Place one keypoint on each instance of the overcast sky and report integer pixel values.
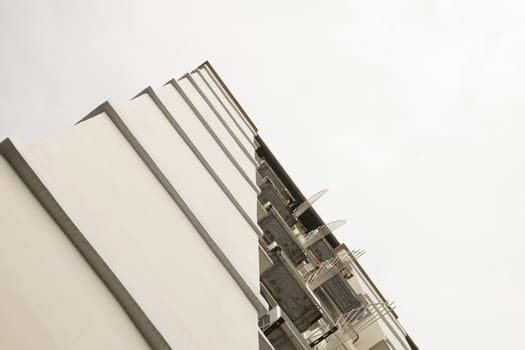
(411, 113)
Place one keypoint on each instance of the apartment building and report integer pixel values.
(167, 223)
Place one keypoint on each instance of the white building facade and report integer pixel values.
(167, 223)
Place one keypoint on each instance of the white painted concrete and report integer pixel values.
(190, 178)
(226, 115)
(227, 101)
(50, 298)
(209, 148)
(218, 128)
(144, 236)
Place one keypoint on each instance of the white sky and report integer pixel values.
(410, 112)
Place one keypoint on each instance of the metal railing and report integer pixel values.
(315, 235)
(329, 268)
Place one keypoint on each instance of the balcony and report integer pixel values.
(321, 232)
(329, 282)
(269, 193)
(276, 230)
(284, 286)
(281, 332)
(265, 171)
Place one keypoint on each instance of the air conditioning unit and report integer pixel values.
(275, 229)
(281, 332)
(289, 291)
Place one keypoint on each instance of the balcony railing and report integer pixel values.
(359, 319)
(328, 269)
(304, 206)
(351, 324)
(319, 233)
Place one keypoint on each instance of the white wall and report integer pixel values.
(228, 228)
(226, 99)
(244, 160)
(221, 108)
(209, 148)
(49, 296)
(145, 238)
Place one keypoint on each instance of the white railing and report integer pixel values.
(352, 323)
(329, 268)
(308, 203)
(315, 235)
(360, 318)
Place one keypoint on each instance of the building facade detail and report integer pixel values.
(168, 223)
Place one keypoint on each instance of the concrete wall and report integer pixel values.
(222, 219)
(49, 296)
(233, 123)
(245, 159)
(141, 232)
(242, 187)
(226, 99)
